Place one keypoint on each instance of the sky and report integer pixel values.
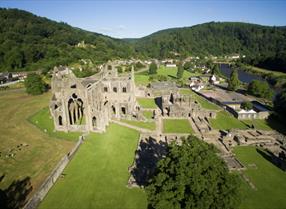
(138, 18)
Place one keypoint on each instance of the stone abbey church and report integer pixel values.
(88, 104)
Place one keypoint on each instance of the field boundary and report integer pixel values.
(40, 194)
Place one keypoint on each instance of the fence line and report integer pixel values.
(40, 194)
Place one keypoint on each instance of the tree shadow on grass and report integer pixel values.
(277, 161)
(171, 76)
(15, 196)
(147, 156)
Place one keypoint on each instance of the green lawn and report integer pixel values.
(142, 79)
(141, 124)
(97, 175)
(39, 153)
(258, 124)
(269, 180)
(177, 126)
(171, 73)
(147, 103)
(43, 120)
(203, 102)
(148, 114)
(226, 121)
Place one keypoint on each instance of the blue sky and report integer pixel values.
(137, 18)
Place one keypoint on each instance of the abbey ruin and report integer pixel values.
(88, 104)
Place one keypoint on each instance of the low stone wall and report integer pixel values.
(52, 178)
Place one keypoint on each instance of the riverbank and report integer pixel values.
(275, 78)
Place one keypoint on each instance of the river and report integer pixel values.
(243, 76)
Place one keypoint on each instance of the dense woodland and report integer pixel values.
(262, 45)
(29, 42)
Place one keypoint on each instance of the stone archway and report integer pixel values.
(113, 110)
(123, 110)
(94, 122)
(75, 109)
(60, 120)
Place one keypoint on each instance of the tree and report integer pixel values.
(193, 176)
(246, 105)
(34, 84)
(180, 72)
(260, 89)
(153, 68)
(280, 103)
(233, 82)
(188, 66)
(216, 70)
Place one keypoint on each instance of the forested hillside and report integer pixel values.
(263, 45)
(29, 42)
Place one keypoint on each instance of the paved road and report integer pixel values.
(9, 83)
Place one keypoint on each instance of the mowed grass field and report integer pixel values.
(98, 174)
(40, 154)
(201, 100)
(258, 124)
(269, 180)
(43, 120)
(141, 124)
(225, 121)
(147, 103)
(177, 126)
(171, 73)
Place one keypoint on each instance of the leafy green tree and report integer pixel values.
(34, 84)
(153, 68)
(193, 176)
(260, 89)
(246, 105)
(280, 103)
(180, 72)
(188, 66)
(216, 70)
(233, 82)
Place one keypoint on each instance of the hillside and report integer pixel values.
(30, 42)
(263, 46)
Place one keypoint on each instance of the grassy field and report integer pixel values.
(147, 103)
(226, 121)
(41, 153)
(268, 179)
(98, 174)
(148, 115)
(141, 124)
(171, 73)
(43, 120)
(258, 124)
(202, 101)
(177, 126)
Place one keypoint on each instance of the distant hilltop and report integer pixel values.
(30, 42)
